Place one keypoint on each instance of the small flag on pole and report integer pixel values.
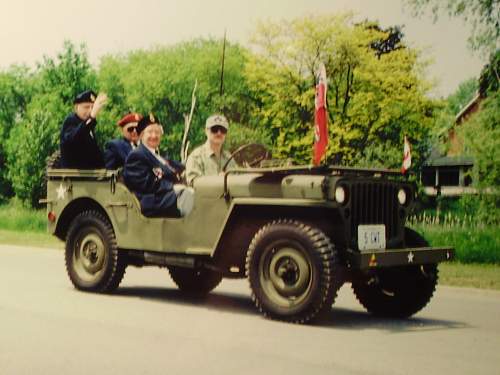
(406, 156)
(320, 118)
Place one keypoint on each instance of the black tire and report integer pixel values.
(195, 281)
(93, 261)
(291, 268)
(398, 292)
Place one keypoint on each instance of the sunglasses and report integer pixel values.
(218, 128)
(132, 129)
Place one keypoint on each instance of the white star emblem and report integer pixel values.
(61, 192)
(410, 257)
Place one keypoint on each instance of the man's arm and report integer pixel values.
(194, 167)
(111, 156)
(74, 129)
(138, 176)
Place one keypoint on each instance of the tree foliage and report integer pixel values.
(483, 15)
(376, 95)
(15, 94)
(489, 80)
(162, 80)
(374, 98)
(36, 134)
(462, 96)
(481, 137)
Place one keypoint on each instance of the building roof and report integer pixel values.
(449, 161)
(467, 108)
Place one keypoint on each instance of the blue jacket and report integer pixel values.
(152, 182)
(79, 147)
(115, 153)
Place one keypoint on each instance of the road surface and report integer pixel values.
(149, 327)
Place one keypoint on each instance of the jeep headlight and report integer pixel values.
(340, 194)
(402, 197)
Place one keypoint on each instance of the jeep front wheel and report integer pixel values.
(92, 259)
(291, 268)
(398, 292)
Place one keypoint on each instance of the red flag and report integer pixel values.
(406, 156)
(320, 120)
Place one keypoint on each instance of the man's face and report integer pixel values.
(129, 132)
(216, 134)
(151, 136)
(83, 110)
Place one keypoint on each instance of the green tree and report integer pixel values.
(161, 81)
(374, 98)
(35, 138)
(489, 80)
(462, 96)
(15, 94)
(483, 15)
(481, 137)
(36, 135)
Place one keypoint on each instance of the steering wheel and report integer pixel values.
(248, 155)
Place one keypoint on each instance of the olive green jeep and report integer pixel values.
(297, 233)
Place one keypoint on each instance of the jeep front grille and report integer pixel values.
(375, 202)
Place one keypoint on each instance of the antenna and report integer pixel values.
(221, 89)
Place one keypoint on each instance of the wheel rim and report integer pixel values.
(89, 256)
(285, 273)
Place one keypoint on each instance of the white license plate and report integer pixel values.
(371, 237)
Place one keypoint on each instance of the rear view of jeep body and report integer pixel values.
(296, 233)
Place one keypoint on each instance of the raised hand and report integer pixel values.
(100, 101)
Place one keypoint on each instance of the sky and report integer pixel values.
(30, 29)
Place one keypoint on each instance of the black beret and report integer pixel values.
(145, 122)
(87, 96)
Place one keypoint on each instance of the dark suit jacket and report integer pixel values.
(78, 145)
(152, 182)
(115, 153)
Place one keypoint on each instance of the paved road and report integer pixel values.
(149, 327)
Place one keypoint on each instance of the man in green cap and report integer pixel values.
(209, 158)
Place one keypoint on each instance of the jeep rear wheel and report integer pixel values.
(291, 269)
(398, 292)
(93, 261)
(196, 281)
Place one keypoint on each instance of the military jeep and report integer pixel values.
(296, 233)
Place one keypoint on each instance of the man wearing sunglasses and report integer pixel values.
(209, 158)
(117, 150)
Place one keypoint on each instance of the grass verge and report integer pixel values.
(483, 276)
(15, 217)
(472, 244)
(23, 238)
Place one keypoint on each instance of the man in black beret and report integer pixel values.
(78, 145)
(152, 178)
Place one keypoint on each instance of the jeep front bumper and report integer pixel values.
(399, 257)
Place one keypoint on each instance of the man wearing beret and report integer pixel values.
(117, 150)
(209, 158)
(78, 145)
(153, 178)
